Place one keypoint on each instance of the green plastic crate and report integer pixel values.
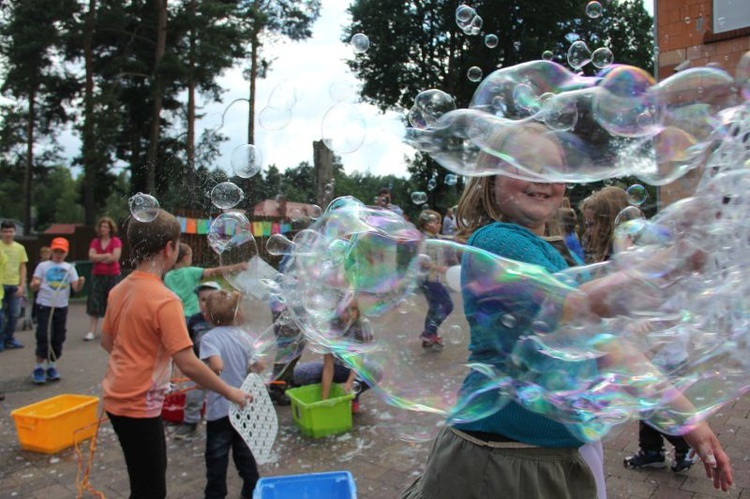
(318, 418)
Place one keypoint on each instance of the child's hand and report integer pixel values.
(239, 397)
(81, 280)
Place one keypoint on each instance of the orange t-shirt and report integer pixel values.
(147, 325)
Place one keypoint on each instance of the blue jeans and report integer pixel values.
(220, 438)
(10, 313)
(439, 305)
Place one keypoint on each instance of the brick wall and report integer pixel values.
(684, 33)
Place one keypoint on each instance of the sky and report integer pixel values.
(314, 71)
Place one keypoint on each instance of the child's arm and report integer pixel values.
(349, 385)
(226, 268)
(199, 372)
(77, 285)
(216, 364)
(107, 342)
(326, 377)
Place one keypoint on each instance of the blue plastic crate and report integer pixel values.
(328, 485)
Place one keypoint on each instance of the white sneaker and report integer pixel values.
(89, 336)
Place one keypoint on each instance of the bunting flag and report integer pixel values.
(203, 225)
(285, 227)
(266, 228)
(275, 228)
(191, 226)
(183, 224)
(257, 229)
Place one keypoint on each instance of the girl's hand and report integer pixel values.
(349, 386)
(239, 397)
(715, 460)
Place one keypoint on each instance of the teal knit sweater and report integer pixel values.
(499, 315)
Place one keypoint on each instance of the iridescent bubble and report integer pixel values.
(343, 129)
(360, 42)
(278, 245)
(624, 99)
(229, 230)
(226, 195)
(594, 9)
(419, 197)
(429, 106)
(491, 41)
(451, 179)
(273, 119)
(547, 55)
(525, 97)
(246, 161)
(431, 184)
(579, 54)
(637, 194)
(474, 73)
(602, 57)
(143, 207)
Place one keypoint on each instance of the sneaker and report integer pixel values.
(279, 397)
(683, 460)
(13, 344)
(355, 406)
(431, 341)
(89, 336)
(52, 374)
(185, 431)
(646, 459)
(38, 376)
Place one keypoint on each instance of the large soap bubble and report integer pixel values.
(429, 106)
(143, 207)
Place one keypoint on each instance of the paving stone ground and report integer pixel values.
(382, 464)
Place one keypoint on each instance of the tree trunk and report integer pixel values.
(153, 145)
(190, 146)
(253, 78)
(29, 169)
(89, 142)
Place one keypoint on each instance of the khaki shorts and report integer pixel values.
(462, 467)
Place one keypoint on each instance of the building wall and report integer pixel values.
(685, 37)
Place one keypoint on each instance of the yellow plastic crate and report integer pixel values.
(318, 418)
(51, 425)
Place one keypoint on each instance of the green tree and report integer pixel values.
(33, 36)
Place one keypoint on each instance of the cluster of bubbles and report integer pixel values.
(468, 20)
(619, 122)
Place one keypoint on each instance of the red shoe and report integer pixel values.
(355, 406)
(431, 341)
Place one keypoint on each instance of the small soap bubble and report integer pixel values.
(594, 9)
(687, 19)
(360, 42)
(419, 197)
(143, 207)
(314, 211)
(226, 195)
(278, 244)
(637, 194)
(451, 179)
(491, 41)
(246, 160)
(343, 128)
(429, 106)
(328, 189)
(356, 387)
(579, 54)
(474, 74)
(431, 184)
(273, 119)
(464, 16)
(602, 57)
(547, 55)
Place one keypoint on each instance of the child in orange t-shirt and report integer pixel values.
(144, 331)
